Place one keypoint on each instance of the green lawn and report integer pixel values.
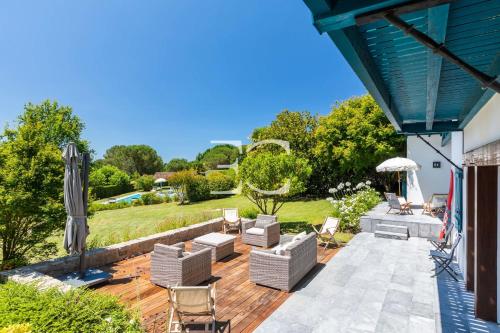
(113, 226)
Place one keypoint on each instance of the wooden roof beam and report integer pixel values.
(440, 49)
(398, 9)
(437, 22)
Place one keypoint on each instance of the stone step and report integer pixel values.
(392, 235)
(392, 228)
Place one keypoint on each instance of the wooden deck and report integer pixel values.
(240, 305)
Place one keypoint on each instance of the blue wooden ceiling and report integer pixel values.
(419, 91)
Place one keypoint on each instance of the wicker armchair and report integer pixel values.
(264, 231)
(284, 271)
(171, 266)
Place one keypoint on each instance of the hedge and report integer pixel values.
(101, 192)
(52, 311)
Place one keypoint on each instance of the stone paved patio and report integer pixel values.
(378, 285)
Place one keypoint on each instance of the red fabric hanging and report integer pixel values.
(447, 213)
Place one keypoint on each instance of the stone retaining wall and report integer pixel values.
(44, 272)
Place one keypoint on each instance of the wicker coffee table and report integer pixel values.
(222, 245)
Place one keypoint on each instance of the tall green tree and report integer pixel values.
(177, 164)
(299, 130)
(263, 172)
(220, 154)
(31, 180)
(140, 159)
(352, 140)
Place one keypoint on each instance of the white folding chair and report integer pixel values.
(326, 234)
(191, 301)
(232, 219)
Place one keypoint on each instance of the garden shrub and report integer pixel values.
(198, 189)
(138, 202)
(52, 311)
(189, 186)
(97, 207)
(108, 181)
(151, 199)
(349, 204)
(144, 183)
(220, 181)
(250, 213)
(17, 328)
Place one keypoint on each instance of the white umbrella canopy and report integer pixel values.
(160, 180)
(398, 164)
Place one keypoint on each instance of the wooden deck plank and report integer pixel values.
(240, 303)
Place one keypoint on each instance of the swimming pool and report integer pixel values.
(129, 198)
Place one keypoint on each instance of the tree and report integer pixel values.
(268, 171)
(141, 159)
(108, 180)
(299, 130)
(177, 164)
(31, 180)
(353, 139)
(220, 154)
(189, 186)
(144, 183)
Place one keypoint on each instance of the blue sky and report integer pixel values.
(170, 74)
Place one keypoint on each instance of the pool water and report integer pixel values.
(129, 198)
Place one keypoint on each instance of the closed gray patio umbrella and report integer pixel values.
(76, 231)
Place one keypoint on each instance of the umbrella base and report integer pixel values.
(92, 277)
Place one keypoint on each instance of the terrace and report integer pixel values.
(371, 284)
(241, 305)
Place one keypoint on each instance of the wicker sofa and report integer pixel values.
(284, 271)
(263, 231)
(171, 266)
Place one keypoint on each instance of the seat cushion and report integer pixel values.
(299, 236)
(255, 231)
(281, 249)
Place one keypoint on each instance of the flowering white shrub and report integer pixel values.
(349, 204)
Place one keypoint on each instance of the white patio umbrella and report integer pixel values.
(160, 180)
(398, 164)
(76, 231)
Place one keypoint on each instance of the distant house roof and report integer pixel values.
(165, 175)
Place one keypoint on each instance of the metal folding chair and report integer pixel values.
(441, 243)
(444, 259)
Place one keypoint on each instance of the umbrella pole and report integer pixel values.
(85, 197)
(399, 184)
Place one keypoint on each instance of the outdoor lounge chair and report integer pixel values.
(232, 220)
(191, 302)
(283, 271)
(327, 231)
(440, 243)
(444, 259)
(171, 266)
(436, 205)
(263, 231)
(398, 203)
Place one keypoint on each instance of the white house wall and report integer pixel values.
(420, 185)
(484, 128)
